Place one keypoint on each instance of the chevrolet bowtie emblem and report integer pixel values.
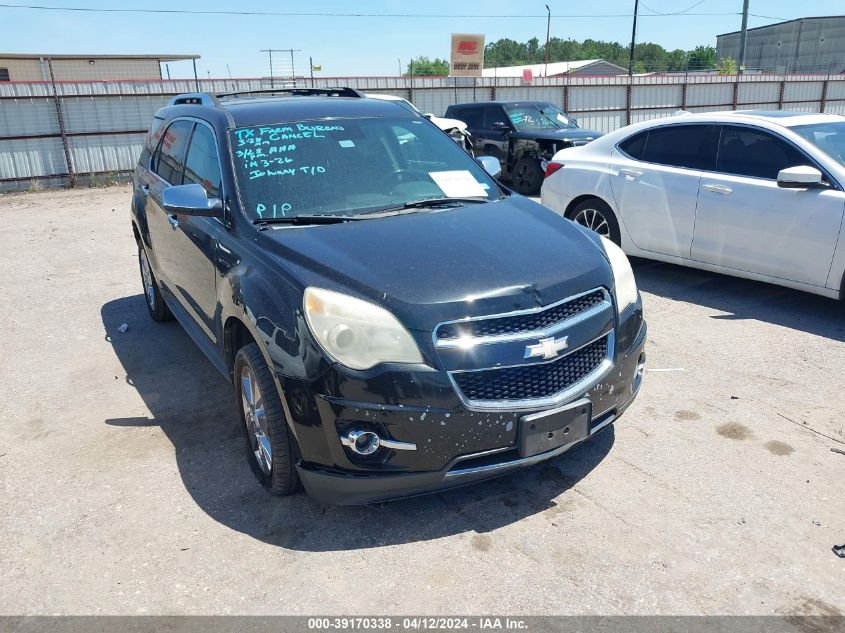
(547, 348)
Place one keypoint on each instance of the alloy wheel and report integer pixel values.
(256, 420)
(147, 279)
(594, 220)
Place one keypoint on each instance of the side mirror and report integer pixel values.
(191, 200)
(491, 165)
(801, 177)
(499, 125)
(428, 115)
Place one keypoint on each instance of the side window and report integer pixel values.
(473, 117)
(495, 114)
(748, 152)
(202, 166)
(634, 145)
(167, 161)
(690, 146)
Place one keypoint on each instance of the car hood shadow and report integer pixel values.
(194, 406)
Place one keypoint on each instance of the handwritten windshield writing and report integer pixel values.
(276, 209)
(270, 135)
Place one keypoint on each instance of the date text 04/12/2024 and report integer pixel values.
(417, 623)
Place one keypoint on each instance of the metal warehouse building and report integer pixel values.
(35, 67)
(804, 45)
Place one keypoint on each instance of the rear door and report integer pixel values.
(654, 176)
(746, 222)
(166, 170)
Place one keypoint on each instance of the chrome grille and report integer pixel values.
(538, 381)
(530, 322)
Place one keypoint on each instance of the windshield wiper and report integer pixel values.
(316, 218)
(428, 203)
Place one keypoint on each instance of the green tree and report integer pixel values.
(702, 58)
(424, 66)
(726, 66)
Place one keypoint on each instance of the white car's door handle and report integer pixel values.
(633, 173)
(717, 189)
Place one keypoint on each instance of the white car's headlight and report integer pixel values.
(623, 275)
(357, 333)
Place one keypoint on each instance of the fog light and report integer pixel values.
(361, 442)
(638, 376)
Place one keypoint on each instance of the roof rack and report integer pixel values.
(338, 91)
(194, 98)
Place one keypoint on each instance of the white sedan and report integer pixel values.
(759, 195)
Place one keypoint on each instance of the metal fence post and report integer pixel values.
(780, 92)
(71, 175)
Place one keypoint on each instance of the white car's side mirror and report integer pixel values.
(800, 177)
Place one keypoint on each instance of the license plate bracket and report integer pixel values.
(547, 430)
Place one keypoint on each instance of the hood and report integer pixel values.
(447, 124)
(439, 265)
(573, 133)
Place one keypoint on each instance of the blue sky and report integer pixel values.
(362, 45)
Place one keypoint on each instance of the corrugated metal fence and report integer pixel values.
(58, 133)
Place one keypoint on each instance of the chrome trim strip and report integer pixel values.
(578, 388)
(523, 461)
(396, 445)
(528, 334)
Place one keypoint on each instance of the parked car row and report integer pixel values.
(759, 195)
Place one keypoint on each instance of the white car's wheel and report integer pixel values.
(597, 216)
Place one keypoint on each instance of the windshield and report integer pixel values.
(350, 166)
(828, 137)
(538, 116)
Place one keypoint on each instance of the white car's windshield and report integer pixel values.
(828, 137)
(350, 166)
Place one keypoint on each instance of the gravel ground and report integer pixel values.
(125, 488)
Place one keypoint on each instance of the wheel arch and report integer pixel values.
(583, 198)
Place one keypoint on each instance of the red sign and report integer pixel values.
(527, 76)
(467, 47)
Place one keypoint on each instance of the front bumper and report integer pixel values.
(455, 445)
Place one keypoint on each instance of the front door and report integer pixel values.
(190, 242)
(746, 222)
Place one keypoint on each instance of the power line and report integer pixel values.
(689, 8)
(289, 14)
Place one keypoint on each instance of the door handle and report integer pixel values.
(633, 173)
(717, 188)
(144, 189)
(174, 222)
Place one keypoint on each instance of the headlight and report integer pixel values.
(623, 275)
(357, 333)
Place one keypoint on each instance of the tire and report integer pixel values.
(275, 470)
(152, 293)
(597, 216)
(527, 176)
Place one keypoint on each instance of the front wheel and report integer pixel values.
(269, 443)
(597, 216)
(527, 176)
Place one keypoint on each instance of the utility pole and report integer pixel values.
(311, 64)
(743, 37)
(633, 40)
(546, 50)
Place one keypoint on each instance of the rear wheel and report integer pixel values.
(597, 216)
(152, 294)
(269, 443)
(527, 176)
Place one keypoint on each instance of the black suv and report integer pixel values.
(523, 135)
(393, 321)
